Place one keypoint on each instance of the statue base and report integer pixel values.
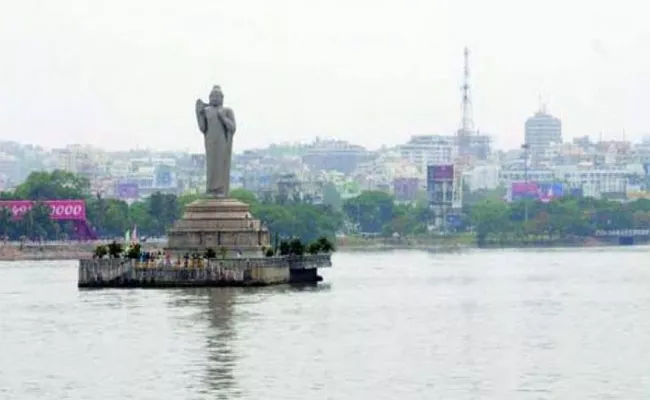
(218, 223)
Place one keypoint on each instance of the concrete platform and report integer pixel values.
(124, 273)
(218, 223)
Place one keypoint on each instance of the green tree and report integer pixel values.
(110, 217)
(244, 196)
(490, 218)
(162, 210)
(7, 223)
(371, 210)
(55, 185)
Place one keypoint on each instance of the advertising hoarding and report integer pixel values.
(454, 221)
(549, 191)
(60, 210)
(542, 191)
(524, 190)
(128, 191)
(440, 172)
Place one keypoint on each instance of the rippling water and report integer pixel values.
(563, 324)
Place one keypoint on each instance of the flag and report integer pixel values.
(134, 236)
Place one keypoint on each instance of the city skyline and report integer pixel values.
(374, 74)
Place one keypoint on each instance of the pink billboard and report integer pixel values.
(66, 210)
(440, 172)
(524, 190)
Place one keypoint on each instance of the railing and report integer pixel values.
(622, 232)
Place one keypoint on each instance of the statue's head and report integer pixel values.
(216, 96)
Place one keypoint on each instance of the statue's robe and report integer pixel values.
(218, 150)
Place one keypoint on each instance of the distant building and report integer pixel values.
(483, 177)
(480, 146)
(425, 150)
(542, 130)
(335, 155)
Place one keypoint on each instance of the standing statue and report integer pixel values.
(217, 123)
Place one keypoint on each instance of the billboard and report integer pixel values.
(524, 190)
(440, 172)
(454, 221)
(127, 190)
(549, 191)
(60, 210)
(542, 191)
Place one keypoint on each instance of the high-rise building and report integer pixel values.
(425, 150)
(542, 130)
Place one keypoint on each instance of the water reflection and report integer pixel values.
(214, 309)
(219, 376)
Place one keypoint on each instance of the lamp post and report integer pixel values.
(525, 147)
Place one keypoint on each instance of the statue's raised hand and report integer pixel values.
(200, 105)
(200, 115)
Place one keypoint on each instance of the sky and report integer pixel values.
(125, 73)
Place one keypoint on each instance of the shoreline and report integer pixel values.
(76, 251)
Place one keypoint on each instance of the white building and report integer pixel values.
(594, 181)
(507, 176)
(542, 131)
(425, 150)
(482, 177)
(80, 159)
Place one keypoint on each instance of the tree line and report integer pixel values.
(372, 212)
(153, 216)
(561, 220)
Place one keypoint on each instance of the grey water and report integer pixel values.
(553, 324)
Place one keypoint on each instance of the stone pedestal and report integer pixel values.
(218, 223)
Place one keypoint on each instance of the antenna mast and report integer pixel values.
(467, 124)
(464, 135)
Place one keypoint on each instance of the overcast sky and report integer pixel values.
(126, 73)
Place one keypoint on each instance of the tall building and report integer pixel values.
(542, 130)
(426, 150)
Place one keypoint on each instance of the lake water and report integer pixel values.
(555, 324)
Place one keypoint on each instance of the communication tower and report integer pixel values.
(464, 135)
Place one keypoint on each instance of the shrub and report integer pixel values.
(223, 252)
(325, 245)
(313, 248)
(134, 252)
(101, 251)
(115, 249)
(296, 247)
(210, 253)
(269, 252)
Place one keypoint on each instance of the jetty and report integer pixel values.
(129, 273)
